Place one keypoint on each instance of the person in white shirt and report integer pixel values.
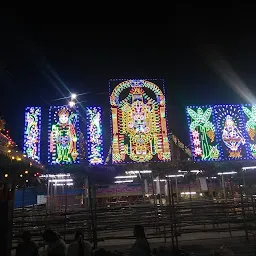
(79, 247)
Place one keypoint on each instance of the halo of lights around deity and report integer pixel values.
(32, 132)
(139, 125)
(94, 135)
(63, 135)
(222, 132)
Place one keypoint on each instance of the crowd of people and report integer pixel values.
(56, 246)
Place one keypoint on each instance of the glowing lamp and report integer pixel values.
(72, 104)
(226, 173)
(73, 96)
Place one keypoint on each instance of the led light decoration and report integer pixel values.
(202, 133)
(218, 132)
(139, 125)
(32, 132)
(63, 135)
(94, 132)
(250, 119)
(232, 136)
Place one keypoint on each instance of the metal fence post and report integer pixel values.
(92, 210)
(95, 234)
(170, 209)
(244, 215)
(66, 207)
(174, 216)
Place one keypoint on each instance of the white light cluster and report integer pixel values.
(59, 175)
(174, 176)
(138, 172)
(126, 177)
(123, 181)
(61, 184)
(58, 180)
(188, 193)
(248, 168)
(226, 173)
(61, 180)
(196, 171)
(192, 171)
(73, 96)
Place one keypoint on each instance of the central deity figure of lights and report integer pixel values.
(139, 125)
(63, 138)
(232, 136)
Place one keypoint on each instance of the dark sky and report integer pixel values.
(37, 58)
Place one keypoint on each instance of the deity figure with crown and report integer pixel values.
(232, 137)
(63, 138)
(139, 126)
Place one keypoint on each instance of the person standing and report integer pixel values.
(79, 247)
(27, 246)
(141, 246)
(55, 245)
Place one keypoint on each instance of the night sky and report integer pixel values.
(42, 62)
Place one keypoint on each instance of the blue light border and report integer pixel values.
(89, 144)
(196, 159)
(217, 132)
(218, 137)
(77, 128)
(245, 117)
(39, 132)
(153, 80)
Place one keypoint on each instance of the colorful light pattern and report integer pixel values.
(250, 119)
(202, 133)
(63, 135)
(94, 134)
(218, 133)
(32, 133)
(231, 135)
(139, 126)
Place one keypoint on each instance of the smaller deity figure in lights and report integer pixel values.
(232, 137)
(32, 133)
(95, 140)
(63, 137)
